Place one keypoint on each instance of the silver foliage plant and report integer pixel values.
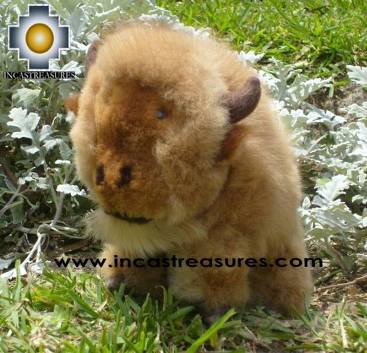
(332, 152)
(41, 197)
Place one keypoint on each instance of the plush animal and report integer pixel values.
(179, 145)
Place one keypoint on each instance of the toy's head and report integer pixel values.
(156, 122)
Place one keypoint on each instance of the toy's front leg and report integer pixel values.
(213, 287)
(142, 280)
(214, 290)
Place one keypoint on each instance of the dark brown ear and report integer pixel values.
(242, 102)
(91, 55)
(72, 103)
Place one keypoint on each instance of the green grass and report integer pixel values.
(74, 312)
(323, 34)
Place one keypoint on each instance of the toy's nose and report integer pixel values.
(123, 178)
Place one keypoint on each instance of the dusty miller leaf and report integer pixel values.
(26, 96)
(70, 189)
(25, 123)
(333, 188)
(357, 74)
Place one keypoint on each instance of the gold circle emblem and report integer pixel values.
(39, 38)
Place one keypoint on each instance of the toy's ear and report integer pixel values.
(240, 104)
(72, 103)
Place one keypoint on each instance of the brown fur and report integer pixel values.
(72, 103)
(210, 188)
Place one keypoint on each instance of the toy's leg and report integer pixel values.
(213, 288)
(284, 289)
(214, 291)
(142, 280)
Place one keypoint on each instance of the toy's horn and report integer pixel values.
(72, 102)
(242, 102)
(91, 54)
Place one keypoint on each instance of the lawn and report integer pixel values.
(322, 36)
(313, 56)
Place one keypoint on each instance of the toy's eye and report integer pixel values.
(161, 114)
(100, 174)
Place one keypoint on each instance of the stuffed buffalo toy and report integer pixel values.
(179, 145)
